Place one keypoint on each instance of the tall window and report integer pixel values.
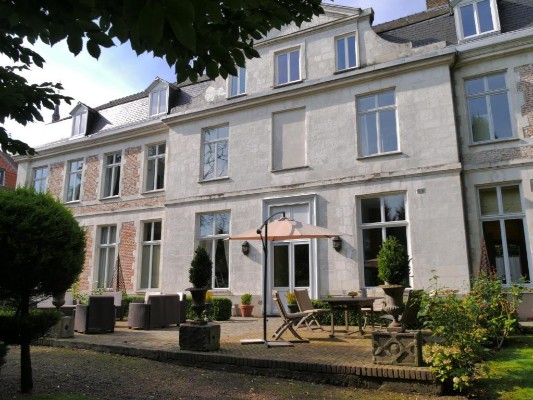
(478, 17)
(216, 143)
(346, 52)
(237, 84)
(488, 108)
(158, 101)
(74, 180)
(380, 218)
(288, 139)
(502, 219)
(2, 177)
(155, 170)
(376, 117)
(79, 123)
(39, 179)
(151, 255)
(112, 174)
(106, 256)
(214, 228)
(288, 67)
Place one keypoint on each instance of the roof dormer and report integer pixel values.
(80, 115)
(160, 93)
(475, 18)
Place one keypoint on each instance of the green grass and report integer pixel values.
(510, 375)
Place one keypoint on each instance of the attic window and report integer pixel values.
(79, 123)
(477, 17)
(158, 101)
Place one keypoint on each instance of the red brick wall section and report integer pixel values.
(127, 251)
(435, 3)
(56, 178)
(90, 180)
(10, 173)
(526, 87)
(131, 181)
(89, 259)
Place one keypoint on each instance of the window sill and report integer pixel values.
(342, 71)
(109, 198)
(223, 178)
(236, 96)
(495, 141)
(289, 169)
(72, 202)
(390, 153)
(154, 192)
(282, 85)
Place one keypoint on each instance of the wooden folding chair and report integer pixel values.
(289, 319)
(304, 302)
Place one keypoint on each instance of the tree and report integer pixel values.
(43, 250)
(196, 37)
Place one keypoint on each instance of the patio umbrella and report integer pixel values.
(280, 229)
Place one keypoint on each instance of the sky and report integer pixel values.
(120, 72)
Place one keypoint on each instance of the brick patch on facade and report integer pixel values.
(132, 176)
(123, 205)
(526, 87)
(127, 249)
(86, 272)
(499, 155)
(90, 182)
(56, 178)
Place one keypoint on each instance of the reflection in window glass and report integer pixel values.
(215, 156)
(476, 18)
(287, 67)
(151, 255)
(213, 229)
(346, 57)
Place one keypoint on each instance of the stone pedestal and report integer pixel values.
(63, 329)
(200, 337)
(391, 348)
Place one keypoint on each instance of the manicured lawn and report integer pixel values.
(510, 375)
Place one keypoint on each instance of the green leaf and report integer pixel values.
(151, 22)
(93, 49)
(75, 43)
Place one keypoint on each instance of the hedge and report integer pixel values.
(218, 309)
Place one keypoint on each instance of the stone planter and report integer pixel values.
(392, 348)
(394, 304)
(198, 304)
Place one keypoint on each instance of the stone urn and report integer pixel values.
(394, 304)
(198, 304)
(58, 300)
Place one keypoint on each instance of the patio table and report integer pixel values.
(347, 303)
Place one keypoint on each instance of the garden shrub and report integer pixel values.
(218, 309)
(15, 327)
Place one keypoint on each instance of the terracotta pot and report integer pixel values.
(393, 303)
(246, 310)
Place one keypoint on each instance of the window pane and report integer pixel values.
(368, 140)
(223, 132)
(147, 234)
(394, 208)
(109, 267)
(366, 103)
(283, 76)
(385, 99)
(145, 266)
(301, 265)
(351, 51)
(474, 86)
(516, 250)
(206, 225)
(341, 58)
(153, 103)
(479, 119)
(104, 235)
(157, 230)
(155, 266)
(372, 239)
(281, 266)
(220, 264)
(242, 80)
(467, 20)
(511, 199)
(501, 117)
(150, 171)
(222, 158)
(160, 173)
(295, 65)
(387, 129)
(484, 16)
(371, 210)
(234, 83)
(210, 135)
(222, 223)
(151, 151)
(209, 161)
(161, 148)
(488, 200)
(495, 82)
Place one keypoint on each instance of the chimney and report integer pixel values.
(430, 4)
(55, 115)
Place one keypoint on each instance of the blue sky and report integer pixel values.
(120, 72)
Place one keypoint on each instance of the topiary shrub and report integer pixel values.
(201, 269)
(393, 262)
(246, 299)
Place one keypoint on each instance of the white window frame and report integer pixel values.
(240, 83)
(156, 95)
(79, 122)
(346, 51)
(2, 177)
(151, 243)
(39, 181)
(112, 173)
(216, 143)
(474, 3)
(73, 180)
(214, 238)
(157, 158)
(377, 111)
(105, 249)
(288, 53)
(486, 94)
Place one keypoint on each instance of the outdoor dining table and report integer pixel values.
(346, 304)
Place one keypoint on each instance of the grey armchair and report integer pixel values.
(159, 311)
(96, 317)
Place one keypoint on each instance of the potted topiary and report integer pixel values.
(393, 269)
(200, 277)
(246, 306)
(292, 304)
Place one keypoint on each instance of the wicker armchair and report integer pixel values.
(96, 317)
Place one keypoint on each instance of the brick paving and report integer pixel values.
(342, 360)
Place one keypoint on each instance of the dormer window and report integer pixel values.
(237, 84)
(477, 17)
(345, 47)
(158, 101)
(79, 122)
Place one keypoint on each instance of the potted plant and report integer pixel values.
(292, 304)
(200, 277)
(246, 306)
(393, 269)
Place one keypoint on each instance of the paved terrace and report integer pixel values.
(340, 361)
